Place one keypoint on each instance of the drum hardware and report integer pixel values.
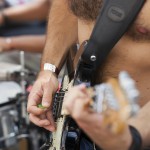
(11, 135)
(16, 76)
(22, 74)
(8, 126)
(17, 73)
(14, 121)
(23, 120)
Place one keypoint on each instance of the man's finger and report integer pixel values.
(35, 95)
(49, 116)
(78, 109)
(35, 110)
(71, 97)
(37, 120)
(47, 95)
(49, 128)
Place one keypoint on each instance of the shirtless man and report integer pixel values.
(131, 53)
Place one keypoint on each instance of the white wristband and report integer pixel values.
(51, 67)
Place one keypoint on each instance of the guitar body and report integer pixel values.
(57, 143)
(66, 137)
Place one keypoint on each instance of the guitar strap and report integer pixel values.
(113, 21)
(79, 53)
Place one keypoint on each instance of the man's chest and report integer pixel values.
(140, 29)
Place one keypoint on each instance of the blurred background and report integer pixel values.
(22, 38)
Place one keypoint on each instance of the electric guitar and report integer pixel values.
(116, 100)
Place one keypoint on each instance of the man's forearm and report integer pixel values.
(142, 124)
(27, 43)
(36, 10)
(61, 34)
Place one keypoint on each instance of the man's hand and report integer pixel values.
(42, 93)
(76, 103)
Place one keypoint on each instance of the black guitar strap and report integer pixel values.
(113, 21)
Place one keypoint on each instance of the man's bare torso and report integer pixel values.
(131, 53)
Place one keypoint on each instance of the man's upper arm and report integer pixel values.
(61, 34)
